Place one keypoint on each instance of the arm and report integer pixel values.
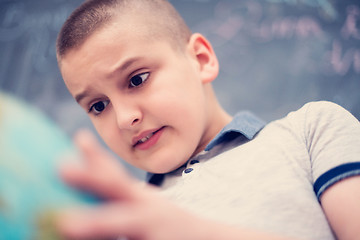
(341, 204)
(131, 209)
(333, 142)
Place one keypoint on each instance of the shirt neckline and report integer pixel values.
(244, 123)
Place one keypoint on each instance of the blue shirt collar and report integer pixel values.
(244, 123)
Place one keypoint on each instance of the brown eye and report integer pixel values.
(139, 79)
(98, 107)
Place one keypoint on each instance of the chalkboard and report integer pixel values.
(275, 55)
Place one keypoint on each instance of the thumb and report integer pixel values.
(99, 172)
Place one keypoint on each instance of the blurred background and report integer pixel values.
(275, 55)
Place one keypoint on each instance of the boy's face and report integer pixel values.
(146, 99)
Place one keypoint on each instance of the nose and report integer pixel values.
(127, 115)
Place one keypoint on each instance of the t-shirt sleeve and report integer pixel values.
(333, 141)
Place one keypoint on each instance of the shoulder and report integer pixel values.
(327, 123)
(322, 109)
(323, 115)
(325, 108)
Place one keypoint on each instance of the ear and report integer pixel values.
(205, 57)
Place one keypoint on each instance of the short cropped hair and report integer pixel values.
(93, 15)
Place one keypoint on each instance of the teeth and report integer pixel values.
(145, 138)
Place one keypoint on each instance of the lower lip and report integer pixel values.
(151, 141)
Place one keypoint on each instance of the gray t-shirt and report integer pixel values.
(271, 179)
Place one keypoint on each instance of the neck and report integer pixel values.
(218, 118)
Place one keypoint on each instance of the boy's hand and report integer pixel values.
(130, 209)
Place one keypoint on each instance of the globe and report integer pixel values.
(31, 148)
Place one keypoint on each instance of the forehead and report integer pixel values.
(128, 27)
(110, 47)
(115, 36)
(124, 28)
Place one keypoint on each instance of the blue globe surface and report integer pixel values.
(31, 147)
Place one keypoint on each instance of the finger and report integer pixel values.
(100, 172)
(93, 152)
(104, 222)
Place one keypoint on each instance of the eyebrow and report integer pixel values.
(80, 96)
(122, 67)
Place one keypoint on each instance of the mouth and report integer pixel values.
(147, 139)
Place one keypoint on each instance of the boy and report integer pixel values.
(145, 82)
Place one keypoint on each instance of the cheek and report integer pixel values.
(184, 114)
(178, 98)
(181, 105)
(177, 112)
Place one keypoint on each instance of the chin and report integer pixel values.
(164, 168)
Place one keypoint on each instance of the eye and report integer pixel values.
(98, 107)
(139, 79)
